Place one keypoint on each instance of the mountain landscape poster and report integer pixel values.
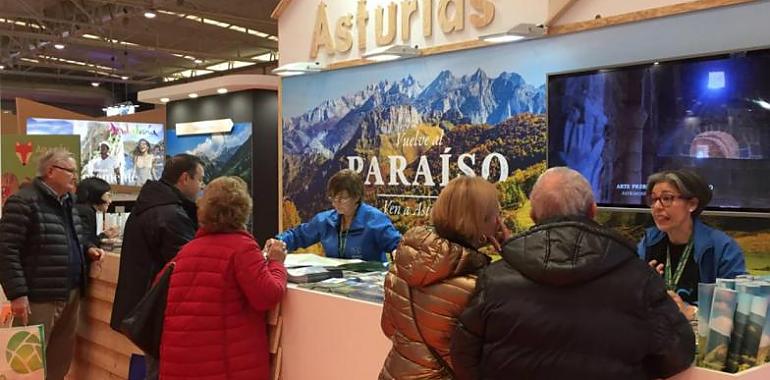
(409, 128)
(412, 125)
(223, 154)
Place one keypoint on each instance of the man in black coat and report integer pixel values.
(570, 300)
(42, 261)
(161, 222)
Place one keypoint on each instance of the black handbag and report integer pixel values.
(144, 324)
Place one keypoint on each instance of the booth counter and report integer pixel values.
(101, 352)
(317, 336)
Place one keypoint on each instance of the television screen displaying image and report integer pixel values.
(710, 115)
(120, 153)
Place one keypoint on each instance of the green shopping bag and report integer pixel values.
(23, 353)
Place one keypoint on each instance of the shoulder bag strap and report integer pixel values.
(433, 352)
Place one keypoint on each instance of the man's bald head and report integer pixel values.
(561, 192)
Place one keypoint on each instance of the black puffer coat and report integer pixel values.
(35, 245)
(161, 222)
(571, 300)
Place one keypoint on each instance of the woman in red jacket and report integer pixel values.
(220, 290)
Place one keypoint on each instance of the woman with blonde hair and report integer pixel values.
(433, 275)
(220, 290)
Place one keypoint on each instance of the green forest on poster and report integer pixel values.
(21, 153)
(410, 126)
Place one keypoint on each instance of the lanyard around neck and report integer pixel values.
(671, 283)
(342, 238)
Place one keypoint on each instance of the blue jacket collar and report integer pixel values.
(335, 218)
(700, 235)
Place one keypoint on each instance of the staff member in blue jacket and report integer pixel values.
(680, 247)
(351, 230)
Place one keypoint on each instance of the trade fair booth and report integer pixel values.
(446, 102)
(411, 94)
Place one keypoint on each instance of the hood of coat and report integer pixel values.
(568, 251)
(423, 258)
(159, 193)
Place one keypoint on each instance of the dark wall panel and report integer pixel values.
(237, 106)
(265, 174)
(260, 108)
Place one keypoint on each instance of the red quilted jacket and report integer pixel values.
(214, 326)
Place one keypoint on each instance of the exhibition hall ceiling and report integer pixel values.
(141, 43)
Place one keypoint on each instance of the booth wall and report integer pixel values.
(7, 123)
(327, 117)
(260, 108)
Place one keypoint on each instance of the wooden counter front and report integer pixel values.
(316, 335)
(101, 353)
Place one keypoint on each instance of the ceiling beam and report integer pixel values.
(42, 62)
(245, 22)
(119, 47)
(47, 20)
(56, 33)
(71, 77)
(83, 10)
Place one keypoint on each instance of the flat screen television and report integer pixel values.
(121, 153)
(707, 114)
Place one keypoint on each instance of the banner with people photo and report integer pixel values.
(20, 155)
(120, 153)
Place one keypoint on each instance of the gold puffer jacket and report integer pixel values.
(428, 286)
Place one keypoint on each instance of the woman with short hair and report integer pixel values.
(352, 229)
(680, 246)
(220, 290)
(433, 275)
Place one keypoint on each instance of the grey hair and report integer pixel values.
(560, 192)
(690, 185)
(50, 158)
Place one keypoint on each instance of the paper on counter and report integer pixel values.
(310, 259)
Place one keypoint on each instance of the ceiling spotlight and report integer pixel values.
(389, 53)
(94, 84)
(150, 13)
(519, 32)
(222, 91)
(298, 68)
(198, 60)
(58, 46)
(164, 100)
(193, 95)
(2, 67)
(124, 77)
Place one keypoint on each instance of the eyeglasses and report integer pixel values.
(339, 199)
(665, 200)
(68, 170)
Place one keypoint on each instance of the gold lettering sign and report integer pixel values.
(408, 8)
(380, 37)
(487, 10)
(457, 22)
(449, 14)
(343, 34)
(322, 37)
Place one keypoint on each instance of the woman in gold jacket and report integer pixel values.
(432, 277)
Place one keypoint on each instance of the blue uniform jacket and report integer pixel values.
(370, 236)
(717, 255)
